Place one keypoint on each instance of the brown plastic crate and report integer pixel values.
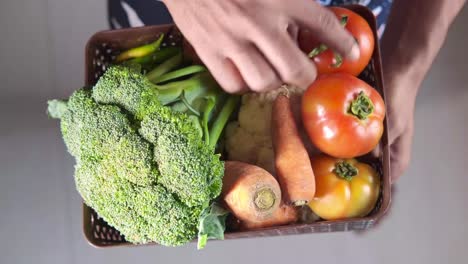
(102, 48)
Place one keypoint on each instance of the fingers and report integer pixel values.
(224, 71)
(255, 70)
(291, 64)
(326, 27)
(400, 153)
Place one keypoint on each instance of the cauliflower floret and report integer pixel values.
(249, 138)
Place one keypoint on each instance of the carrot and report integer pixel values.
(283, 216)
(250, 192)
(292, 162)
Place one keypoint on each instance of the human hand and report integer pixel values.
(252, 44)
(400, 112)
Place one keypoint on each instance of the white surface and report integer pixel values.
(40, 211)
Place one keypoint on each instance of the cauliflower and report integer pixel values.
(249, 138)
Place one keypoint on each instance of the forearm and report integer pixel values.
(415, 32)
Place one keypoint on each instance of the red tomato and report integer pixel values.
(326, 61)
(343, 115)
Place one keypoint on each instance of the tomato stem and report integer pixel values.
(344, 21)
(362, 106)
(315, 52)
(338, 60)
(345, 170)
(322, 47)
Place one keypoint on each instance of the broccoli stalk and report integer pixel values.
(57, 108)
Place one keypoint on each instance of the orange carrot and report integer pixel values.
(293, 167)
(250, 192)
(283, 216)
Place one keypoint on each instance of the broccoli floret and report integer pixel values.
(98, 132)
(127, 88)
(142, 213)
(187, 166)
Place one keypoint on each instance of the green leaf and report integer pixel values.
(212, 224)
(179, 107)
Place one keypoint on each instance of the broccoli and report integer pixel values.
(128, 89)
(92, 131)
(142, 213)
(187, 166)
(141, 165)
(115, 173)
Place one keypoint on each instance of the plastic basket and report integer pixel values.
(102, 48)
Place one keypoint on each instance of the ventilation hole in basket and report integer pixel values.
(98, 228)
(101, 236)
(96, 75)
(173, 44)
(98, 63)
(108, 236)
(104, 229)
(104, 68)
(113, 57)
(95, 234)
(108, 51)
(96, 52)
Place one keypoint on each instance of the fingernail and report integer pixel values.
(354, 53)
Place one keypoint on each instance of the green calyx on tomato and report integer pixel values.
(322, 48)
(345, 170)
(328, 61)
(362, 106)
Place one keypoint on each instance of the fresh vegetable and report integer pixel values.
(179, 73)
(165, 67)
(346, 188)
(142, 166)
(212, 224)
(141, 51)
(328, 61)
(284, 215)
(157, 57)
(293, 168)
(249, 192)
(343, 115)
(115, 174)
(248, 139)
